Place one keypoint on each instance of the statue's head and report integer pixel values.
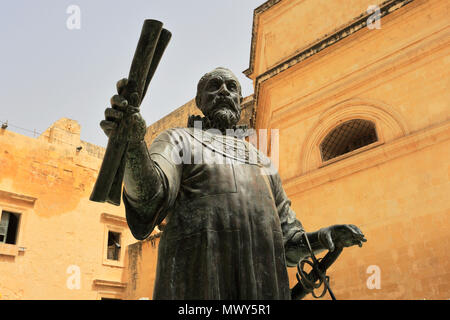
(219, 98)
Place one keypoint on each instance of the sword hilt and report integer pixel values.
(317, 277)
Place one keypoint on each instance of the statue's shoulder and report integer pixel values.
(178, 137)
(173, 135)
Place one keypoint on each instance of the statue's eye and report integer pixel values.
(213, 85)
(232, 86)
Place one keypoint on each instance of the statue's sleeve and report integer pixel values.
(143, 217)
(290, 225)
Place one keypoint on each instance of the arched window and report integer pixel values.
(346, 137)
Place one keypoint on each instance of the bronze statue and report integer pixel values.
(230, 232)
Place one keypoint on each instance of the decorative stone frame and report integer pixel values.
(115, 224)
(18, 204)
(393, 147)
(389, 125)
(109, 289)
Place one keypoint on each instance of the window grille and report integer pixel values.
(346, 137)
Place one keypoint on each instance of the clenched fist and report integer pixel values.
(123, 120)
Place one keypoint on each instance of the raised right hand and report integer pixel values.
(126, 113)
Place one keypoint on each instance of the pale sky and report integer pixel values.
(50, 71)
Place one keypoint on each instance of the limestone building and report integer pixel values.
(363, 112)
(54, 242)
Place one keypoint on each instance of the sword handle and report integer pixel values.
(308, 282)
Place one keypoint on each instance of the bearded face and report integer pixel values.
(219, 98)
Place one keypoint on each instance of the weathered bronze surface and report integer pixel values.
(229, 230)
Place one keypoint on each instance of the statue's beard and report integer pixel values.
(223, 118)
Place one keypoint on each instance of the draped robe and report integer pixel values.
(228, 219)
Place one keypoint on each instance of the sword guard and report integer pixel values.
(313, 280)
(317, 276)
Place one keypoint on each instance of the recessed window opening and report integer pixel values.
(113, 245)
(348, 136)
(9, 225)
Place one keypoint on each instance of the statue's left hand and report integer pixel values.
(340, 236)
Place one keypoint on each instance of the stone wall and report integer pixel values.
(60, 249)
(395, 189)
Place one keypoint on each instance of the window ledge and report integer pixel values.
(113, 263)
(111, 218)
(351, 153)
(8, 249)
(110, 283)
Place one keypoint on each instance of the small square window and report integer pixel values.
(113, 246)
(9, 226)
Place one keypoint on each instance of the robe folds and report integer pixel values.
(228, 219)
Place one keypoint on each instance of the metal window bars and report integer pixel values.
(346, 137)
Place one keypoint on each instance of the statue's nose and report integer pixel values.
(223, 90)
